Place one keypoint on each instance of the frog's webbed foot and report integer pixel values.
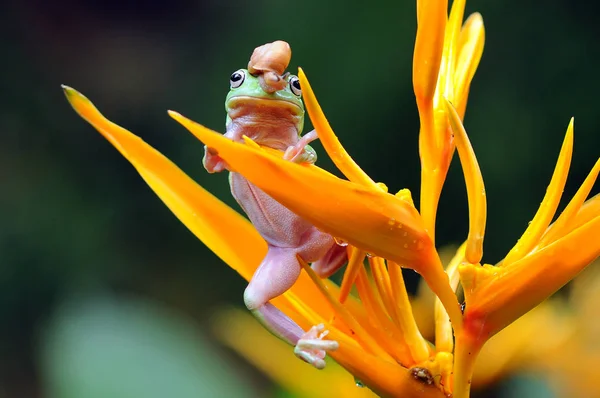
(302, 152)
(311, 347)
(213, 163)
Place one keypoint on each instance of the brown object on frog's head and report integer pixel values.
(269, 61)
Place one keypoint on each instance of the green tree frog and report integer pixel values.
(274, 118)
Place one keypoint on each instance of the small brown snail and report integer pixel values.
(269, 61)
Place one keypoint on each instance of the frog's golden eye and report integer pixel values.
(295, 85)
(237, 78)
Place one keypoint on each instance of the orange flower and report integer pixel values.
(379, 340)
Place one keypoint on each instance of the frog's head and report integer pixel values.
(247, 96)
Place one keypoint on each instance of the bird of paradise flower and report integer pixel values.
(379, 340)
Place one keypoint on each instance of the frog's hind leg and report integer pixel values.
(332, 261)
(276, 274)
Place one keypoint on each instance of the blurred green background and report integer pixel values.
(85, 244)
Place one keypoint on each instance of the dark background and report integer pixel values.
(77, 222)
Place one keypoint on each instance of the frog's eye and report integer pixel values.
(295, 85)
(237, 78)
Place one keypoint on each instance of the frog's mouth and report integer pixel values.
(264, 104)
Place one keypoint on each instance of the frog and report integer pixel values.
(274, 118)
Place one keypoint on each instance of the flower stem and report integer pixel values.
(465, 355)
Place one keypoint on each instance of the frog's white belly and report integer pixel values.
(277, 225)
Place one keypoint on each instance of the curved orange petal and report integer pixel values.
(505, 293)
(561, 226)
(471, 42)
(429, 44)
(228, 234)
(475, 188)
(360, 216)
(330, 142)
(243, 333)
(372, 220)
(546, 211)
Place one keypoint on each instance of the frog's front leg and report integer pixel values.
(301, 152)
(276, 274)
(212, 162)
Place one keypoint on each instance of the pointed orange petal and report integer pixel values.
(355, 263)
(330, 142)
(561, 226)
(431, 26)
(545, 213)
(471, 42)
(516, 288)
(445, 84)
(245, 335)
(444, 336)
(374, 221)
(385, 378)
(223, 230)
(229, 235)
(419, 347)
(475, 188)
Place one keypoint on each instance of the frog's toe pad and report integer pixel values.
(312, 349)
(292, 153)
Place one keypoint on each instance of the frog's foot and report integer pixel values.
(213, 163)
(311, 347)
(302, 152)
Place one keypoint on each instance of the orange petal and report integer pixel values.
(445, 84)
(355, 263)
(444, 336)
(431, 26)
(561, 226)
(510, 291)
(245, 335)
(384, 378)
(330, 142)
(545, 213)
(374, 221)
(475, 188)
(229, 235)
(471, 42)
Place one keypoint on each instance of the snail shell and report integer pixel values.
(271, 57)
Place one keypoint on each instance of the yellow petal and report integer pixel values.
(359, 216)
(545, 213)
(508, 292)
(355, 263)
(431, 26)
(384, 378)
(372, 220)
(229, 235)
(445, 84)
(475, 188)
(330, 142)
(243, 333)
(471, 42)
(561, 226)
(444, 336)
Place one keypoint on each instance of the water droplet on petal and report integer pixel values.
(392, 221)
(358, 383)
(340, 242)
